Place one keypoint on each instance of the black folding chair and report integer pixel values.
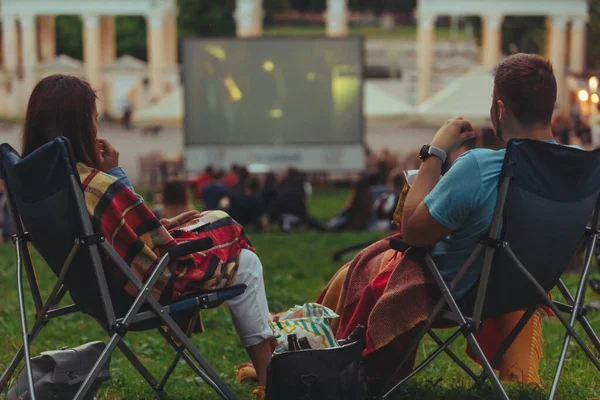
(46, 198)
(546, 197)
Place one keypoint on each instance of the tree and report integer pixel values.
(131, 36)
(206, 18)
(69, 36)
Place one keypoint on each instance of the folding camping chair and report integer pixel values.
(546, 197)
(45, 193)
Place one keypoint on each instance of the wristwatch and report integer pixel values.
(428, 150)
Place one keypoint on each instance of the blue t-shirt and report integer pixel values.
(464, 201)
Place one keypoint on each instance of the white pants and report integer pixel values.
(249, 311)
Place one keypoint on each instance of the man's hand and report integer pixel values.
(109, 157)
(179, 220)
(451, 135)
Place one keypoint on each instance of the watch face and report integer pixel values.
(424, 153)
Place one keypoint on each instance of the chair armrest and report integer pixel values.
(188, 248)
(398, 244)
(207, 299)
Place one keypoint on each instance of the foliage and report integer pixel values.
(131, 36)
(206, 18)
(272, 7)
(593, 45)
(377, 6)
(69, 39)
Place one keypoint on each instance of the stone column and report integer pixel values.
(108, 40)
(47, 38)
(425, 49)
(248, 17)
(558, 48)
(156, 54)
(492, 40)
(171, 42)
(336, 17)
(577, 50)
(29, 54)
(92, 54)
(11, 62)
(9, 45)
(108, 53)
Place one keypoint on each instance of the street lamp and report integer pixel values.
(593, 84)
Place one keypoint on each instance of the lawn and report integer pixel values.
(296, 267)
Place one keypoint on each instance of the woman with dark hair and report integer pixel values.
(358, 213)
(66, 106)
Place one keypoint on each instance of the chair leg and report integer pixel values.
(412, 347)
(442, 346)
(509, 340)
(500, 392)
(585, 324)
(173, 365)
(138, 365)
(582, 320)
(577, 303)
(11, 368)
(455, 358)
(205, 372)
(102, 360)
(24, 331)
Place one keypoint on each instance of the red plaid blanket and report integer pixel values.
(140, 239)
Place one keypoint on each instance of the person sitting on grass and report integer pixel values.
(66, 106)
(174, 200)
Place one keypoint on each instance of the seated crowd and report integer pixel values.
(448, 208)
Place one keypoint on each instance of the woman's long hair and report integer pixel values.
(62, 105)
(360, 206)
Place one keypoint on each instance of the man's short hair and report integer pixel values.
(526, 85)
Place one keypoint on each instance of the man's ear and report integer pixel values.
(502, 110)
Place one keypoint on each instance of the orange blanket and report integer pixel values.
(390, 293)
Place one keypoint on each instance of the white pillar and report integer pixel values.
(29, 54)
(171, 40)
(47, 35)
(425, 48)
(492, 40)
(108, 40)
(11, 62)
(577, 50)
(248, 17)
(92, 54)
(156, 56)
(337, 17)
(558, 48)
(9, 45)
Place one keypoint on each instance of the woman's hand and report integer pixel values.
(181, 219)
(451, 135)
(109, 157)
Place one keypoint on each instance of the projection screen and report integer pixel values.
(275, 101)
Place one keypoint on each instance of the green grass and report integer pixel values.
(372, 32)
(296, 267)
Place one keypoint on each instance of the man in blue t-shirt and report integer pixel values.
(453, 212)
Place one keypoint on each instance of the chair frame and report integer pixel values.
(468, 325)
(116, 328)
